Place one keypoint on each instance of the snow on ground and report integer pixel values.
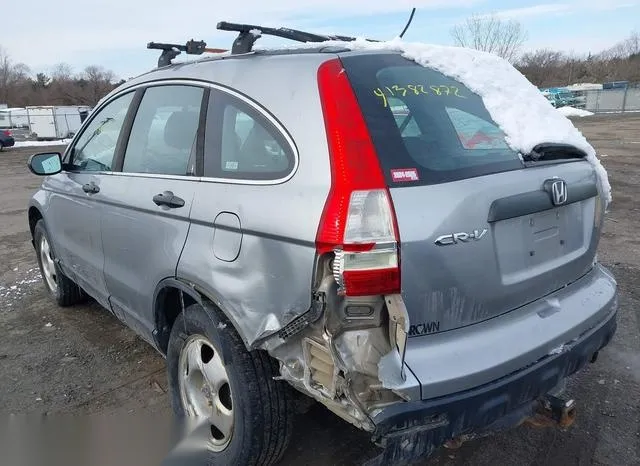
(59, 142)
(584, 87)
(12, 293)
(574, 112)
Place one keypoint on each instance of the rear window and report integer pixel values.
(426, 127)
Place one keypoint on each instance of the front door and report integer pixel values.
(74, 219)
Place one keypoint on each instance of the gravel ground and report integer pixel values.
(83, 361)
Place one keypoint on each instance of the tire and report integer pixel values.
(1, 147)
(60, 287)
(262, 408)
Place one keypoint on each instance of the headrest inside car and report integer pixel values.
(180, 129)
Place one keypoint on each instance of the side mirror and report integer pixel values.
(48, 163)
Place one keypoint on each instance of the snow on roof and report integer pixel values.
(514, 103)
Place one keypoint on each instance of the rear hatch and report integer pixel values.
(483, 231)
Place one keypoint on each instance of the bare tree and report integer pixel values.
(625, 49)
(492, 34)
(633, 44)
(61, 72)
(13, 79)
(18, 87)
(99, 82)
(542, 66)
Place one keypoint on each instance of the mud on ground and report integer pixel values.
(81, 360)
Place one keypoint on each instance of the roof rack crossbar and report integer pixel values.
(249, 33)
(171, 51)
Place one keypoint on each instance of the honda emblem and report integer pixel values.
(559, 192)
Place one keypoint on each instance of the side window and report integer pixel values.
(242, 143)
(96, 146)
(164, 131)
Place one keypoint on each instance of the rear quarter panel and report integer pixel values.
(269, 282)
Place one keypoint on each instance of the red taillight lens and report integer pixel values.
(7, 133)
(358, 223)
(370, 282)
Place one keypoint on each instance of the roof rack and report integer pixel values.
(247, 37)
(249, 33)
(171, 51)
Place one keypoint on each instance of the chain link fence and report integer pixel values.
(612, 100)
(42, 124)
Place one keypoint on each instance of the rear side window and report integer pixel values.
(163, 136)
(425, 122)
(242, 143)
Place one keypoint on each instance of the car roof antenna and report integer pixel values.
(413, 12)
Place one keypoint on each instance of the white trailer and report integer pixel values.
(56, 122)
(14, 118)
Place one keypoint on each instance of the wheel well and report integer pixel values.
(167, 309)
(34, 216)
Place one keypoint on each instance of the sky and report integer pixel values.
(114, 33)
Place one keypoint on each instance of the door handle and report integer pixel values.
(91, 188)
(168, 199)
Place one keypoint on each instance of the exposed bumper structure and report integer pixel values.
(414, 429)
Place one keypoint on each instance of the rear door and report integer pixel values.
(480, 232)
(148, 199)
(243, 248)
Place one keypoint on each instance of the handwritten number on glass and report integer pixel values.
(380, 93)
(415, 89)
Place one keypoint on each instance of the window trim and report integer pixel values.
(141, 89)
(220, 100)
(201, 134)
(199, 167)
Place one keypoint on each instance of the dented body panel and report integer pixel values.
(268, 282)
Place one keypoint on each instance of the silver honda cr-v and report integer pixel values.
(326, 219)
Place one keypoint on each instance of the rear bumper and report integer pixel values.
(414, 429)
(458, 360)
(8, 142)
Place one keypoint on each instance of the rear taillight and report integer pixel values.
(7, 133)
(358, 224)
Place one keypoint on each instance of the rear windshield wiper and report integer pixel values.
(553, 151)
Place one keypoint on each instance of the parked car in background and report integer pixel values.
(560, 97)
(615, 85)
(6, 139)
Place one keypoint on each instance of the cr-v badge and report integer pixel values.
(462, 237)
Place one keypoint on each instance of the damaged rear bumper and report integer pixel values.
(415, 429)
